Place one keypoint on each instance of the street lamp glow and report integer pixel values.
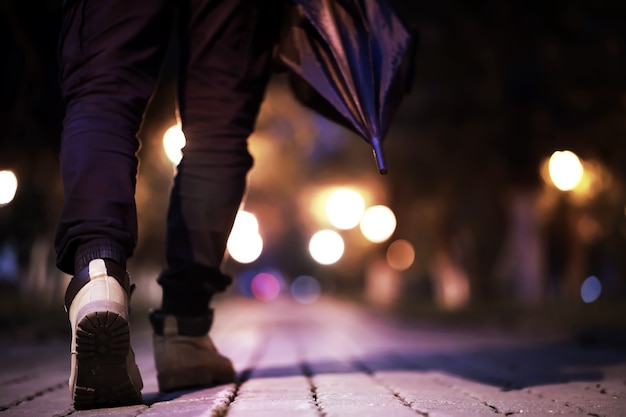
(378, 223)
(245, 244)
(8, 187)
(566, 170)
(344, 208)
(173, 143)
(326, 247)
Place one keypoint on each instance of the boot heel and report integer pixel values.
(103, 368)
(103, 373)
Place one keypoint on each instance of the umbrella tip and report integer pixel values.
(379, 156)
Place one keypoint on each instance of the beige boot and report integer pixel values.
(184, 354)
(103, 369)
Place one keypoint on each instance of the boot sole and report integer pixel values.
(102, 370)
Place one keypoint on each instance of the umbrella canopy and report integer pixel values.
(350, 60)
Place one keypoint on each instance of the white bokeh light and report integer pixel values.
(344, 208)
(566, 170)
(173, 143)
(245, 222)
(8, 187)
(326, 247)
(245, 244)
(378, 223)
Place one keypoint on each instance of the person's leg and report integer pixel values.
(225, 53)
(110, 55)
(224, 68)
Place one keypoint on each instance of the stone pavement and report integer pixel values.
(333, 358)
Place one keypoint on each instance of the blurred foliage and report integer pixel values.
(499, 86)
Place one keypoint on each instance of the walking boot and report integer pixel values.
(103, 368)
(185, 355)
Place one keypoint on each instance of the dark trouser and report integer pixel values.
(111, 53)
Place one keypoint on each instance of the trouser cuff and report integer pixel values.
(188, 291)
(98, 249)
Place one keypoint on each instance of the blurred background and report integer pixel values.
(505, 190)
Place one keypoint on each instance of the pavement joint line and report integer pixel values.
(17, 380)
(497, 381)
(222, 405)
(222, 402)
(308, 374)
(466, 393)
(362, 366)
(372, 374)
(493, 407)
(31, 397)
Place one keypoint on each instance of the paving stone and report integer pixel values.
(278, 396)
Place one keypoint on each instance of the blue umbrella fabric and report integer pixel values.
(351, 61)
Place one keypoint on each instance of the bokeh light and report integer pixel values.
(378, 223)
(245, 222)
(265, 286)
(326, 247)
(305, 289)
(173, 143)
(591, 289)
(566, 170)
(245, 244)
(344, 208)
(400, 255)
(8, 187)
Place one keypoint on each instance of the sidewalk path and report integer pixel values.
(335, 359)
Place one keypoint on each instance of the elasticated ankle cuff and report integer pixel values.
(98, 249)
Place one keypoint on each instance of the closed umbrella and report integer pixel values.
(351, 61)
